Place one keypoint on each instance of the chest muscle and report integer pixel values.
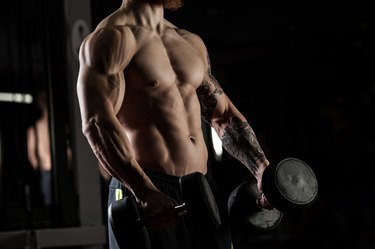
(161, 62)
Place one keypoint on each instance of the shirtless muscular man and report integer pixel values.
(144, 86)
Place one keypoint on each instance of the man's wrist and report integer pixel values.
(142, 193)
(262, 164)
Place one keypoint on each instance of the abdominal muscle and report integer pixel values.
(164, 129)
(179, 158)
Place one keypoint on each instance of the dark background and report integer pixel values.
(301, 74)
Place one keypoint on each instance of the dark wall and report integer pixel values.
(32, 62)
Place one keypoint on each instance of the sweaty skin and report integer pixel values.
(143, 88)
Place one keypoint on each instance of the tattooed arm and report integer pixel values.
(237, 136)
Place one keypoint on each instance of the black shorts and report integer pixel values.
(185, 234)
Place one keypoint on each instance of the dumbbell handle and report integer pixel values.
(179, 210)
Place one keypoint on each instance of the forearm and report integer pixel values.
(112, 148)
(237, 136)
(240, 141)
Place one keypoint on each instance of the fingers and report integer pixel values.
(263, 203)
(160, 211)
(167, 218)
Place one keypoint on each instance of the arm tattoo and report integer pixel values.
(240, 141)
(207, 93)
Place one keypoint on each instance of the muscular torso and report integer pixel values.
(143, 87)
(160, 111)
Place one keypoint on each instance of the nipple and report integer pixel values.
(154, 83)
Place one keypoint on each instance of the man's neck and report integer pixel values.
(145, 14)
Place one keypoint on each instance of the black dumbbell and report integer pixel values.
(127, 226)
(288, 185)
(200, 200)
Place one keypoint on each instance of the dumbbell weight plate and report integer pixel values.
(200, 200)
(290, 184)
(247, 217)
(127, 225)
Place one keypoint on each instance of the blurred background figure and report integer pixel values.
(38, 147)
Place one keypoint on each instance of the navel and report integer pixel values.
(192, 139)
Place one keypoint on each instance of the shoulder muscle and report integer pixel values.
(108, 50)
(195, 41)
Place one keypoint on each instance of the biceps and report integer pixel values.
(94, 93)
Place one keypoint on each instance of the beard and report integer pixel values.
(167, 4)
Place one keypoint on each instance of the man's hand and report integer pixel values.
(262, 201)
(159, 211)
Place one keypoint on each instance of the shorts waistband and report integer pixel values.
(155, 176)
(162, 177)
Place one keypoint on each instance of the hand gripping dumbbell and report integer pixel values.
(287, 185)
(129, 228)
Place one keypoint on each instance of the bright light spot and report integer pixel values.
(16, 98)
(217, 144)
